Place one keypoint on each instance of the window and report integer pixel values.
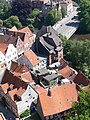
(47, 118)
(1, 66)
(51, 116)
(8, 61)
(33, 97)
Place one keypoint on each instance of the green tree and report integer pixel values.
(12, 21)
(22, 9)
(4, 9)
(35, 12)
(52, 17)
(31, 27)
(82, 108)
(63, 11)
(78, 52)
(25, 113)
(84, 16)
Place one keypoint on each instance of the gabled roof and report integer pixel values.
(3, 47)
(20, 91)
(45, 44)
(49, 35)
(60, 100)
(45, 29)
(32, 57)
(63, 62)
(14, 29)
(81, 79)
(8, 39)
(4, 87)
(26, 77)
(40, 90)
(18, 69)
(26, 30)
(12, 93)
(10, 78)
(68, 72)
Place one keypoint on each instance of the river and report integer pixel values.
(80, 37)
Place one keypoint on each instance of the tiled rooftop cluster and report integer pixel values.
(47, 80)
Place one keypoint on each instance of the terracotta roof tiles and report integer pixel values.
(40, 90)
(20, 91)
(60, 100)
(81, 79)
(13, 29)
(4, 87)
(25, 30)
(26, 77)
(3, 47)
(32, 57)
(10, 78)
(18, 69)
(12, 93)
(68, 72)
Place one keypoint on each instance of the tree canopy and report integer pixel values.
(63, 11)
(4, 9)
(21, 8)
(78, 52)
(12, 21)
(84, 16)
(52, 17)
(82, 108)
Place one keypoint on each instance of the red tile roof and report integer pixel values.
(40, 90)
(60, 100)
(18, 69)
(14, 29)
(81, 79)
(3, 47)
(20, 91)
(4, 87)
(68, 72)
(32, 57)
(12, 93)
(63, 62)
(26, 77)
(26, 30)
(10, 78)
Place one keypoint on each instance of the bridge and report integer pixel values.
(68, 26)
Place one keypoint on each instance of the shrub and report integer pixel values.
(25, 113)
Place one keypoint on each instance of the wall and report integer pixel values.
(27, 98)
(69, 8)
(60, 55)
(11, 54)
(2, 61)
(24, 61)
(20, 46)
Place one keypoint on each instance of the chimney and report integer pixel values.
(49, 91)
